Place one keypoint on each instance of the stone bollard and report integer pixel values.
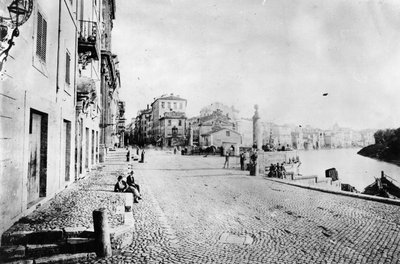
(101, 233)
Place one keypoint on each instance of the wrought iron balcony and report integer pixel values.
(88, 41)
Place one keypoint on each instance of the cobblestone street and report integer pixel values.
(196, 212)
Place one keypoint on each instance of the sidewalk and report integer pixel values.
(73, 207)
(69, 215)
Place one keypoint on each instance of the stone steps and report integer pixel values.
(29, 245)
(70, 246)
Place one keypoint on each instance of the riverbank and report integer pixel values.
(380, 152)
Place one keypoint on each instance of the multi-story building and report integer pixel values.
(110, 85)
(37, 91)
(281, 136)
(216, 120)
(168, 117)
(214, 128)
(143, 127)
(297, 139)
(88, 107)
(54, 104)
(231, 112)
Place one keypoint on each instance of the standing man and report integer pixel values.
(142, 157)
(242, 160)
(226, 160)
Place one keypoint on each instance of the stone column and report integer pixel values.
(257, 134)
(190, 135)
(257, 138)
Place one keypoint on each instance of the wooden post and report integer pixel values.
(101, 233)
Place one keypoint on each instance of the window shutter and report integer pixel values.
(41, 37)
(44, 39)
(67, 68)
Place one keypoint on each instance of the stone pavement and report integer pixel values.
(194, 211)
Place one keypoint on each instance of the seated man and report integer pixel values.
(121, 186)
(130, 180)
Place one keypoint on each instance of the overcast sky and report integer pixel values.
(280, 54)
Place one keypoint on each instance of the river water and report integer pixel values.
(352, 168)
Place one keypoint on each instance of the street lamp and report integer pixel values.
(19, 12)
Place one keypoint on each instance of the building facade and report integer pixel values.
(162, 124)
(168, 113)
(110, 82)
(222, 137)
(143, 127)
(37, 91)
(50, 110)
(88, 107)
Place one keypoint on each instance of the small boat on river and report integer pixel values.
(383, 187)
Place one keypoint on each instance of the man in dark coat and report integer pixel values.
(142, 157)
(130, 180)
(242, 160)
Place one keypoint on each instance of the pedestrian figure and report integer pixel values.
(242, 160)
(174, 150)
(130, 180)
(142, 157)
(271, 172)
(226, 160)
(283, 171)
(137, 151)
(121, 186)
(128, 155)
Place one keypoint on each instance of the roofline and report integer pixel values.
(212, 132)
(181, 99)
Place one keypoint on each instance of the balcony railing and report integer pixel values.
(88, 39)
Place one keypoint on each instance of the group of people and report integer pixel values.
(128, 186)
(128, 154)
(277, 171)
(246, 155)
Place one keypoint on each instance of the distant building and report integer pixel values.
(222, 137)
(143, 127)
(162, 124)
(229, 111)
(214, 121)
(367, 137)
(297, 139)
(281, 136)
